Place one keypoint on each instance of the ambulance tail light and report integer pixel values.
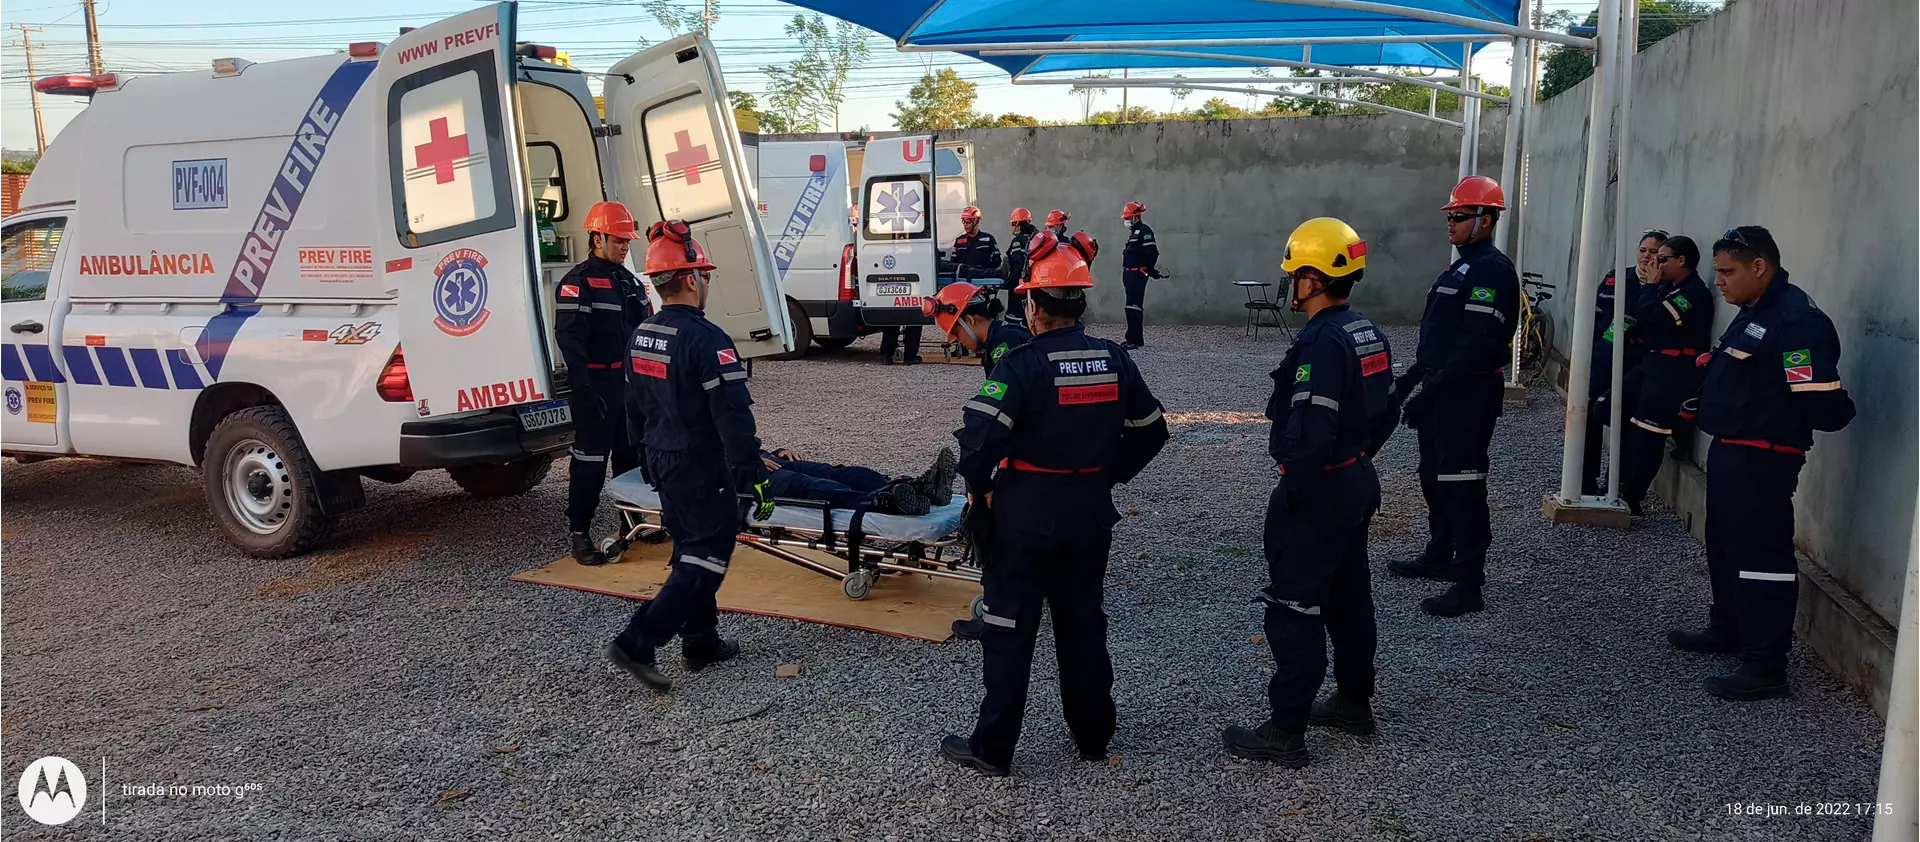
(539, 51)
(364, 49)
(77, 84)
(847, 274)
(393, 385)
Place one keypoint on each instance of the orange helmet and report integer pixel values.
(1133, 210)
(671, 247)
(1020, 215)
(612, 219)
(1057, 217)
(1477, 191)
(969, 212)
(950, 304)
(1085, 244)
(1054, 267)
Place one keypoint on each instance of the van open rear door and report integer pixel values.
(896, 250)
(461, 255)
(678, 156)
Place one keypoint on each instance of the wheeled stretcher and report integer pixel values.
(870, 543)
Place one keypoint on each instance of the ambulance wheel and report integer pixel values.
(833, 343)
(262, 485)
(802, 331)
(979, 606)
(509, 480)
(857, 585)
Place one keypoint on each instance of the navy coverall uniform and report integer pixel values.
(1329, 408)
(975, 255)
(687, 381)
(596, 308)
(1001, 338)
(1015, 273)
(1772, 381)
(1464, 338)
(1675, 322)
(1600, 368)
(843, 486)
(1065, 418)
(1138, 262)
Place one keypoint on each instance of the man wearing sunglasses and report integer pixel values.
(686, 379)
(1674, 318)
(1464, 337)
(1773, 380)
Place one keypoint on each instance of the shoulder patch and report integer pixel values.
(727, 356)
(993, 389)
(569, 291)
(1756, 331)
(1303, 373)
(1681, 302)
(999, 351)
(1482, 293)
(1803, 356)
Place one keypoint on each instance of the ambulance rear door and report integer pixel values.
(678, 155)
(953, 188)
(461, 255)
(896, 248)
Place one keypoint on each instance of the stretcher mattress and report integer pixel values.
(943, 521)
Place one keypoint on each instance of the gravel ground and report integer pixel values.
(395, 684)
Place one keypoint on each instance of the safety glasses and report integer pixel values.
(1457, 217)
(1662, 259)
(1655, 232)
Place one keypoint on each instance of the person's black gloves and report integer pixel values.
(1419, 410)
(977, 524)
(1156, 274)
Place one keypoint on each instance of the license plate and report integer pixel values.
(893, 289)
(540, 416)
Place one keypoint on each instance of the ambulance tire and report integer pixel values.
(833, 343)
(509, 480)
(802, 332)
(261, 484)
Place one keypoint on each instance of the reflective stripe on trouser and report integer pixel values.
(1453, 468)
(1750, 548)
(700, 513)
(1136, 285)
(1320, 590)
(1067, 573)
(597, 440)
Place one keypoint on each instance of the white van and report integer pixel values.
(806, 210)
(297, 274)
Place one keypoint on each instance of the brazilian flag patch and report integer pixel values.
(1609, 334)
(1797, 358)
(1303, 373)
(999, 351)
(1482, 294)
(1681, 302)
(993, 389)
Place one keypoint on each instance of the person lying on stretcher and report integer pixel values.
(791, 476)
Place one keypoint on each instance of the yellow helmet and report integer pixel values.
(1326, 244)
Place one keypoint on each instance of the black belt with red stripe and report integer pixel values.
(1766, 445)
(1332, 467)
(1678, 352)
(618, 365)
(1023, 465)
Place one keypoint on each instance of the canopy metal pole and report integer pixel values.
(1401, 11)
(1260, 60)
(1510, 157)
(1080, 46)
(1466, 118)
(1626, 248)
(1897, 760)
(1586, 278)
(1433, 102)
(1180, 81)
(1135, 83)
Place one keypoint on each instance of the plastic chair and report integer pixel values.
(1261, 309)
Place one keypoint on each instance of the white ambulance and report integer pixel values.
(299, 274)
(806, 212)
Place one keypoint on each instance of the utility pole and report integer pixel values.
(1533, 50)
(707, 17)
(39, 127)
(93, 39)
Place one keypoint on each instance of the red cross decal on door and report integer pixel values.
(687, 158)
(440, 151)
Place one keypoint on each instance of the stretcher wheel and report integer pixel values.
(980, 606)
(612, 548)
(857, 585)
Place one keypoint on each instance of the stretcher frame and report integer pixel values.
(867, 557)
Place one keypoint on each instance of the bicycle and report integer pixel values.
(1535, 333)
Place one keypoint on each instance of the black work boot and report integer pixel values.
(645, 671)
(937, 483)
(1093, 755)
(1339, 712)
(586, 552)
(1267, 744)
(1420, 568)
(958, 751)
(900, 498)
(1750, 683)
(697, 661)
(1707, 641)
(1455, 601)
(969, 629)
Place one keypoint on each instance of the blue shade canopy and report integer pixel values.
(934, 23)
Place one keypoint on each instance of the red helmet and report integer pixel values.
(1133, 210)
(612, 219)
(1020, 215)
(1057, 217)
(1052, 266)
(969, 212)
(950, 304)
(1477, 191)
(671, 247)
(1085, 244)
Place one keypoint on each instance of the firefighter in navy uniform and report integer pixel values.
(1014, 271)
(1771, 382)
(1064, 419)
(1464, 339)
(1331, 408)
(687, 380)
(1674, 318)
(596, 308)
(1139, 261)
(1641, 278)
(976, 254)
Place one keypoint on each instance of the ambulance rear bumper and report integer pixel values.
(495, 438)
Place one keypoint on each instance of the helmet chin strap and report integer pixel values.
(1299, 304)
(977, 341)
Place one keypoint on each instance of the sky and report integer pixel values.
(156, 36)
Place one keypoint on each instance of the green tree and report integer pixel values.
(1565, 67)
(1135, 114)
(17, 166)
(1217, 108)
(1087, 95)
(676, 19)
(744, 102)
(940, 100)
(1296, 105)
(1007, 120)
(807, 92)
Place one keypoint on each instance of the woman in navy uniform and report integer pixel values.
(1771, 382)
(1064, 419)
(1640, 279)
(1331, 408)
(1673, 317)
